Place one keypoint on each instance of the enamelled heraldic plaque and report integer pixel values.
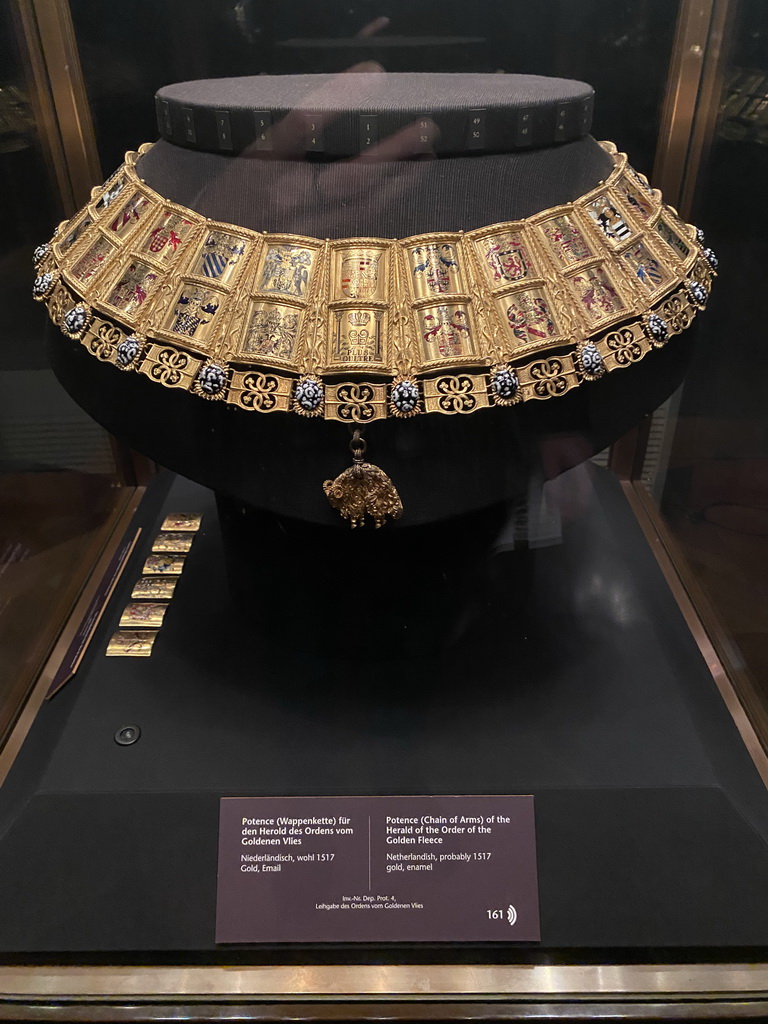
(377, 869)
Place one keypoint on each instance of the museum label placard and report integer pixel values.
(377, 869)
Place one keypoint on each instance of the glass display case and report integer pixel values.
(65, 482)
(383, 511)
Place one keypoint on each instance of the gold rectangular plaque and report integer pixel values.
(178, 542)
(446, 333)
(182, 521)
(357, 338)
(75, 234)
(112, 190)
(131, 643)
(219, 256)
(609, 220)
(646, 267)
(435, 268)
(164, 240)
(135, 283)
(194, 312)
(286, 269)
(565, 239)
(272, 332)
(360, 272)
(94, 259)
(141, 615)
(598, 294)
(129, 216)
(505, 258)
(163, 565)
(154, 588)
(529, 314)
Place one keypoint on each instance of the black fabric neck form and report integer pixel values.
(383, 200)
(342, 115)
(525, 162)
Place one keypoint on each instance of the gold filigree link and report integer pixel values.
(459, 393)
(493, 347)
(170, 366)
(624, 346)
(101, 339)
(678, 311)
(59, 301)
(311, 340)
(703, 272)
(548, 378)
(356, 403)
(260, 392)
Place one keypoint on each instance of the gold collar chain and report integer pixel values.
(359, 329)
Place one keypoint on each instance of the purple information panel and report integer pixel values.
(377, 869)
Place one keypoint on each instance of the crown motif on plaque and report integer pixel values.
(359, 318)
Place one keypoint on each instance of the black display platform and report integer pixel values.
(652, 822)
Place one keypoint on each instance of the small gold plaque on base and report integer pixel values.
(154, 588)
(131, 643)
(163, 565)
(178, 542)
(141, 615)
(188, 521)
